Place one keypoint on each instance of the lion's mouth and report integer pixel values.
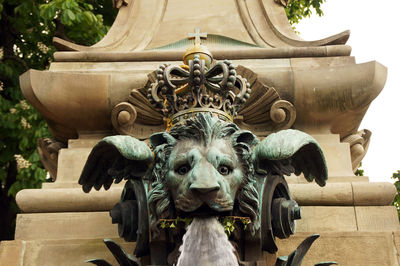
(203, 206)
(205, 211)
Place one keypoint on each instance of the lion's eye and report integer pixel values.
(224, 170)
(183, 169)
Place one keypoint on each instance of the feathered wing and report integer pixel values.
(291, 151)
(115, 158)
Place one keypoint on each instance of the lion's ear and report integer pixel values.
(244, 136)
(158, 139)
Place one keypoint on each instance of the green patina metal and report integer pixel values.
(213, 40)
(205, 167)
(130, 148)
(205, 156)
(295, 151)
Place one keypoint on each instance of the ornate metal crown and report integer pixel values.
(200, 85)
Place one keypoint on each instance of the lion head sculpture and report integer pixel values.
(204, 166)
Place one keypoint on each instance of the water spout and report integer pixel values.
(205, 243)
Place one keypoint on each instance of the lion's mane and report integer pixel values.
(203, 128)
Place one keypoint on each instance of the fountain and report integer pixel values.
(206, 243)
(91, 94)
(203, 166)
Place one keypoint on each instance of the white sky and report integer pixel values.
(375, 35)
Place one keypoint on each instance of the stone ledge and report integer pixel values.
(63, 252)
(88, 225)
(333, 194)
(65, 225)
(346, 248)
(377, 219)
(326, 219)
(348, 219)
(344, 194)
(220, 54)
(67, 200)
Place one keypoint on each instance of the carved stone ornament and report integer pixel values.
(172, 89)
(264, 112)
(283, 2)
(48, 152)
(137, 117)
(359, 143)
(119, 3)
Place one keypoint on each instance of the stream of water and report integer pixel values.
(206, 244)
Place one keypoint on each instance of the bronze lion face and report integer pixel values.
(203, 168)
(203, 177)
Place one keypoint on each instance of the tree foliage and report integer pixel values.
(296, 10)
(396, 201)
(359, 171)
(27, 28)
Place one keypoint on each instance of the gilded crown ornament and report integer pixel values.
(199, 86)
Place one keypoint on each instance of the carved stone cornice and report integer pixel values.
(327, 99)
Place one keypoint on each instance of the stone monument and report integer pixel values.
(313, 86)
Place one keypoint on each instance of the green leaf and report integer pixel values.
(48, 11)
(88, 17)
(66, 4)
(70, 14)
(89, 7)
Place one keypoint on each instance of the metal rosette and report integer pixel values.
(131, 215)
(278, 213)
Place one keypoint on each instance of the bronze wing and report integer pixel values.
(291, 151)
(115, 158)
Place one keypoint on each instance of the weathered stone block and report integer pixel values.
(377, 218)
(346, 248)
(337, 155)
(70, 164)
(321, 62)
(65, 225)
(68, 252)
(373, 194)
(11, 252)
(318, 219)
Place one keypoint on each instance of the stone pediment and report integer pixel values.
(241, 24)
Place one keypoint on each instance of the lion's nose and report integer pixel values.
(203, 189)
